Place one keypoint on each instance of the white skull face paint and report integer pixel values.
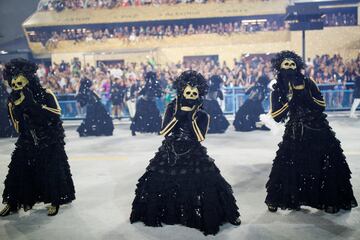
(19, 82)
(191, 92)
(288, 64)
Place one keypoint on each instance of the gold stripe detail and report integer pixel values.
(53, 110)
(197, 131)
(321, 103)
(208, 124)
(170, 126)
(319, 100)
(277, 113)
(14, 121)
(56, 110)
(20, 100)
(280, 110)
(300, 87)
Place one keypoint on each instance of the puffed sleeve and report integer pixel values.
(278, 108)
(169, 120)
(315, 99)
(13, 117)
(200, 124)
(52, 105)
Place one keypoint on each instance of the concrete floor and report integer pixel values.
(106, 169)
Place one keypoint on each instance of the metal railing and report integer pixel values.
(337, 97)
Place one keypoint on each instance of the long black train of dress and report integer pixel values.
(182, 185)
(310, 168)
(39, 170)
(97, 121)
(218, 122)
(248, 114)
(6, 128)
(147, 117)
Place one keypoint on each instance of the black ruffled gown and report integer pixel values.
(182, 185)
(39, 170)
(218, 122)
(97, 121)
(249, 113)
(310, 168)
(147, 117)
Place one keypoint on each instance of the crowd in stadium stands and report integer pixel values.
(340, 19)
(132, 34)
(64, 77)
(60, 5)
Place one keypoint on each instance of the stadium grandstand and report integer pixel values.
(118, 41)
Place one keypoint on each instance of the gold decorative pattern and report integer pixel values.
(56, 110)
(197, 131)
(208, 123)
(168, 127)
(5, 210)
(299, 87)
(319, 102)
(20, 99)
(281, 110)
(14, 121)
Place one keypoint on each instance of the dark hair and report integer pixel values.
(28, 69)
(281, 56)
(281, 85)
(19, 66)
(193, 79)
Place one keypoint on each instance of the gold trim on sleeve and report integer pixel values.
(281, 110)
(208, 124)
(14, 121)
(199, 135)
(56, 110)
(20, 99)
(53, 110)
(319, 102)
(168, 127)
(196, 132)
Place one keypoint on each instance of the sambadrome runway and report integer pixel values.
(106, 170)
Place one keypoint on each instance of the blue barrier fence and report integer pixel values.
(338, 98)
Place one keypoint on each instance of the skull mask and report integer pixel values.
(19, 82)
(191, 93)
(288, 64)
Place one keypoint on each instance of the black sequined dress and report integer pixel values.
(310, 168)
(97, 121)
(249, 113)
(39, 170)
(182, 185)
(147, 117)
(218, 122)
